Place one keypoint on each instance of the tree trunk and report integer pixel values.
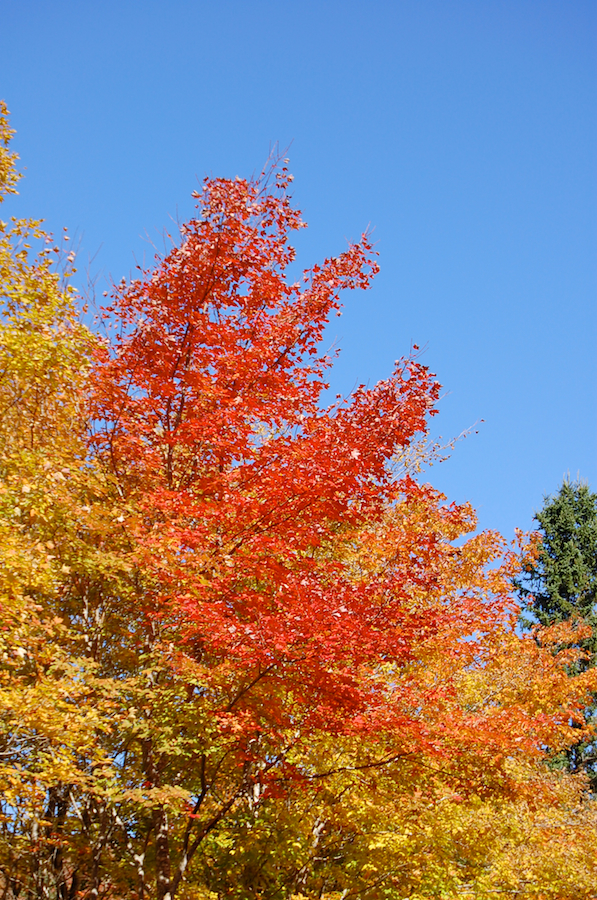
(162, 854)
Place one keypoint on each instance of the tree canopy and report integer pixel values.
(563, 578)
(245, 652)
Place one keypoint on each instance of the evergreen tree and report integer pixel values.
(562, 584)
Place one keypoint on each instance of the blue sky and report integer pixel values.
(462, 131)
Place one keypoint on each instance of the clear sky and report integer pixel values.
(462, 131)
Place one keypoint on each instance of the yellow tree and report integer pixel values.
(53, 707)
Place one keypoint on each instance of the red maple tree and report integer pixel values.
(247, 507)
(211, 419)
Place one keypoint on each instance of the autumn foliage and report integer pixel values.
(246, 653)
